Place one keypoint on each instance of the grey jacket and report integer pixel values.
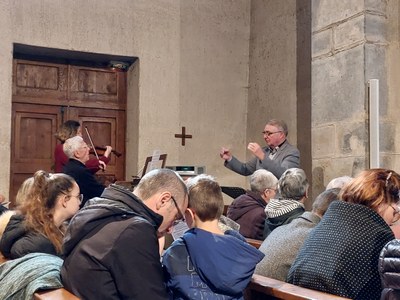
(282, 244)
(285, 158)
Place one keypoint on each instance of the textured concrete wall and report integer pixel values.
(272, 69)
(390, 146)
(214, 60)
(192, 68)
(349, 47)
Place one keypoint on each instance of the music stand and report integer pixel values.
(233, 191)
(161, 164)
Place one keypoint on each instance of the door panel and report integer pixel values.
(45, 95)
(33, 141)
(106, 127)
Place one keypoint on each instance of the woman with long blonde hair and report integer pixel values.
(38, 225)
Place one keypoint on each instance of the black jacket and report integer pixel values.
(389, 269)
(88, 184)
(111, 249)
(17, 241)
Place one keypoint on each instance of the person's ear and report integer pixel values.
(163, 199)
(189, 217)
(63, 200)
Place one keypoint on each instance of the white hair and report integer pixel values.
(71, 145)
(338, 182)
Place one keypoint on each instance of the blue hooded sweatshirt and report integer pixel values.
(204, 265)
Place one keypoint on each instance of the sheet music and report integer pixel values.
(155, 162)
(179, 230)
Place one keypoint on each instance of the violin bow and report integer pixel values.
(91, 143)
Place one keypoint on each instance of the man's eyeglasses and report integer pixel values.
(180, 217)
(268, 133)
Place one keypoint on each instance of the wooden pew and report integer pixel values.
(56, 294)
(264, 288)
(253, 242)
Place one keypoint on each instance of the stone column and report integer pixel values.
(349, 47)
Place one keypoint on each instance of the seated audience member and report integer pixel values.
(276, 157)
(293, 190)
(111, 247)
(78, 152)
(68, 130)
(248, 209)
(340, 256)
(24, 191)
(20, 278)
(21, 197)
(3, 208)
(38, 224)
(338, 182)
(389, 269)
(207, 263)
(283, 244)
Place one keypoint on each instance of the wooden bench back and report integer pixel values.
(56, 294)
(253, 242)
(264, 288)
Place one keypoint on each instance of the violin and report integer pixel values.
(102, 149)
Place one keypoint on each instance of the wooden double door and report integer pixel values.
(45, 95)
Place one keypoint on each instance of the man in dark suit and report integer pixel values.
(276, 157)
(78, 152)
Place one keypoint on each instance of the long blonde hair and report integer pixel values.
(42, 198)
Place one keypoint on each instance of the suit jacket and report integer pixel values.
(285, 158)
(88, 184)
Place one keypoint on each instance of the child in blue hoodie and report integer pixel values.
(207, 263)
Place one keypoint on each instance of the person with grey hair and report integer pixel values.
(282, 245)
(276, 157)
(111, 246)
(293, 190)
(78, 153)
(338, 182)
(248, 209)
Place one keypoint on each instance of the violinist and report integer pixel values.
(70, 129)
(78, 153)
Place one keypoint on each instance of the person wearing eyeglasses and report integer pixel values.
(340, 255)
(78, 152)
(278, 156)
(248, 209)
(111, 247)
(38, 224)
(206, 262)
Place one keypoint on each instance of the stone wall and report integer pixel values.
(350, 46)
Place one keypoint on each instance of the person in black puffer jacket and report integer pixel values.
(389, 269)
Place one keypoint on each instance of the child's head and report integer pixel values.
(205, 198)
